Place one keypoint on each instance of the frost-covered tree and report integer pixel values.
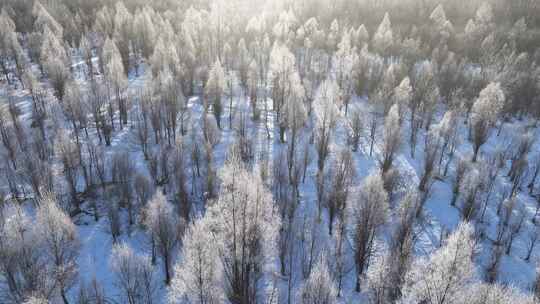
(297, 63)
(344, 61)
(142, 122)
(326, 108)
(383, 37)
(55, 60)
(342, 174)
(59, 242)
(319, 288)
(97, 100)
(423, 101)
(230, 86)
(281, 71)
(45, 19)
(104, 22)
(226, 57)
(462, 168)
(310, 244)
(179, 182)
(367, 214)
(283, 29)
(40, 108)
(171, 105)
(431, 151)
(355, 128)
(116, 80)
(246, 225)
(535, 172)
(194, 27)
(144, 32)
(114, 222)
(489, 174)
(23, 269)
(242, 61)
(341, 263)
(10, 48)
(210, 130)
(448, 78)
(470, 192)
(385, 89)
(122, 172)
(86, 47)
(165, 57)
(36, 300)
(519, 162)
(123, 34)
(400, 252)
(37, 173)
(333, 35)
(164, 226)
(187, 45)
(206, 156)
(402, 96)
(362, 71)
(485, 113)
(68, 152)
(443, 27)
(215, 86)
(312, 37)
(253, 87)
(446, 273)
(293, 113)
(536, 287)
(478, 28)
(447, 132)
(479, 293)
(91, 292)
(292, 119)
(73, 106)
(42, 21)
(143, 189)
(9, 140)
(134, 275)
(392, 138)
(373, 127)
(197, 276)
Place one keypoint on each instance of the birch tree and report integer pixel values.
(198, 276)
(319, 288)
(60, 243)
(55, 60)
(164, 226)
(326, 107)
(485, 112)
(134, 274)
(383, 37)
(344, 61)
(246, 223)
(441, 277)
(366, 216)
(116, 80)
(215, 86)
(392, 139)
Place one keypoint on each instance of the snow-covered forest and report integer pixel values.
(270, 151)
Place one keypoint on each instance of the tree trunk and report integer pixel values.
(64, 297)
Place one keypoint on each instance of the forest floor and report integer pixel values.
(439, 217)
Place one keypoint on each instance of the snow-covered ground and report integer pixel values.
(439, 216)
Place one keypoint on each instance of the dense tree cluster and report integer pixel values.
(263, 151)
